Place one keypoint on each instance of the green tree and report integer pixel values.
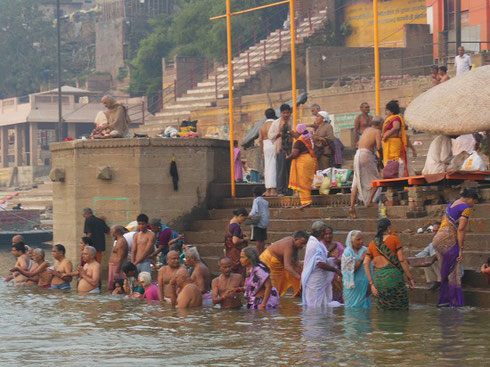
(27, 47)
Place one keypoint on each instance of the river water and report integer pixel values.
(40, 327)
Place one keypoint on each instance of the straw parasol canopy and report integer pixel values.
(459, 106)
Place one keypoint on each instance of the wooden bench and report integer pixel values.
(420, 180)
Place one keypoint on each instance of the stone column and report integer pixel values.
(33, 143)
(18, 145)
(4, 146)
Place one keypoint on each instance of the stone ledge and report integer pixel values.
(138, 142)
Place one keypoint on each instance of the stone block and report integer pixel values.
(104, 173)
(57, 175)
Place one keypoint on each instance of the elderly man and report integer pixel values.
(62, 271)
(95, 228)
(166, 274)
(38, 274)
(319, 270)
(439, 155)
(190, 295)
(144, 242)
(282, 259)
(462, 62)
(225, 287)
(118, 257)
(200, 275)
(324, 140)
(117, 120)
(89, 274)
(22, 263)
(315, 108)
(362, 121)
(365, 166)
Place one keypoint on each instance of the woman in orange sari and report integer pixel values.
(394, 138)
(303, 166)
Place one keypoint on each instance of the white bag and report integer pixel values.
(473, 163)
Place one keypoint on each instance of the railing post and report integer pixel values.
(309, 20)
(160, 100)
(207, 69)
(265, 43)
(248, 62)
(143, 110)
(280, 40)
(224, 57)
(239, 46)
(175, 89)
(255, 34)
(192, 76)
(216, 85)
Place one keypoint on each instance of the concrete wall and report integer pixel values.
(109, 51)
(140, 182)
(21, 176)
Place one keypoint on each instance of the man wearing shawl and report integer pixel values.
(355, 281)
(318, 271)
(117, 120)
(303, 166)
(394, 137)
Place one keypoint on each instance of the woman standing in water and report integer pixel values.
(236, 240)
(388, 285)
(355, 280)
(448, 244)
(259, 292)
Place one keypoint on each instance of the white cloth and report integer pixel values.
(274, 133)
(463, 64)
(129, 239)
(365, 171)
(438, 156)
(463, 143)
(269, 164)
(316, 282)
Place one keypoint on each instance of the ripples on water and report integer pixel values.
(51, 328)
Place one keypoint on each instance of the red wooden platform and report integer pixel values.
(420, 180)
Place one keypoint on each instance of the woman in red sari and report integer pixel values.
(303, 166)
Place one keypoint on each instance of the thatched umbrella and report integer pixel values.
(459, 106)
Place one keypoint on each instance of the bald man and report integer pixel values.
(190, 295)
(166, 274)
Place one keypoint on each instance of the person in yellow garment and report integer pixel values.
(281, 258)
(303, 166)
(395, 141)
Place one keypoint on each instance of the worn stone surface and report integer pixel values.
(57, 174)
(104, 173)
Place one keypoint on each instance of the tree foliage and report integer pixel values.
(189, 32)
(27, 47)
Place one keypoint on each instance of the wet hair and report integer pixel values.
(176, 247)
(60, 248)
(143, 218)
(128, 267)
(88, 241)
(285, 107)
(144, 277)
(258, 191)
(318, 228)
(470, 193)
(191, 252)
(252, 255)
(120, 230)
(87, 211)
(155, 222)
(301, 234)
(434, 67)
(240, 211)
(120, 282)
(393, 106)
(20, 246)
(91, 250)
(443, 68)
(270, 114)
(382, 226)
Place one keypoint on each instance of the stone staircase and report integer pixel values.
(208, 234)
(245, 65)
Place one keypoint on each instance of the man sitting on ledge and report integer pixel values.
(117, 121)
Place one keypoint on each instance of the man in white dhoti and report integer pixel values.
(318, 271)
(269, 152)
(439, 155)
(365, 167)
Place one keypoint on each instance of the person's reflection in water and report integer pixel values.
(357, 323)
(452, 346)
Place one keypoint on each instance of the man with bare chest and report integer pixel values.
(62, 269)
(166, 274)
(22, 263)
(200, 275)
(89, 274)
(38, 274)
(225, 286)
(143, 244)
(362, 121)
(119, 256)
(190, 295)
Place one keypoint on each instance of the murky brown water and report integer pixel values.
(51, 328)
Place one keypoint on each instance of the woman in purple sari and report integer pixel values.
(448, 244)
(259, 292)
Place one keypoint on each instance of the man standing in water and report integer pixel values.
(225, 286)
(143, 244)
(62, 269)
(89, 274)
(190, 295)
(21, 264)
(166, 274)
(201, 275)
(38, 274)
(118, 257)
(95, 228)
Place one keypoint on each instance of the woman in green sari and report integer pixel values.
(388, 285)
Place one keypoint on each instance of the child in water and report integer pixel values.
(118, 287)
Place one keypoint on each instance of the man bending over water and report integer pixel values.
(62, 269)
(89, 274)
(165, 275)
(22, 263)
(38, 274)
(143, 244)
(225, 286)
(189, 296)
